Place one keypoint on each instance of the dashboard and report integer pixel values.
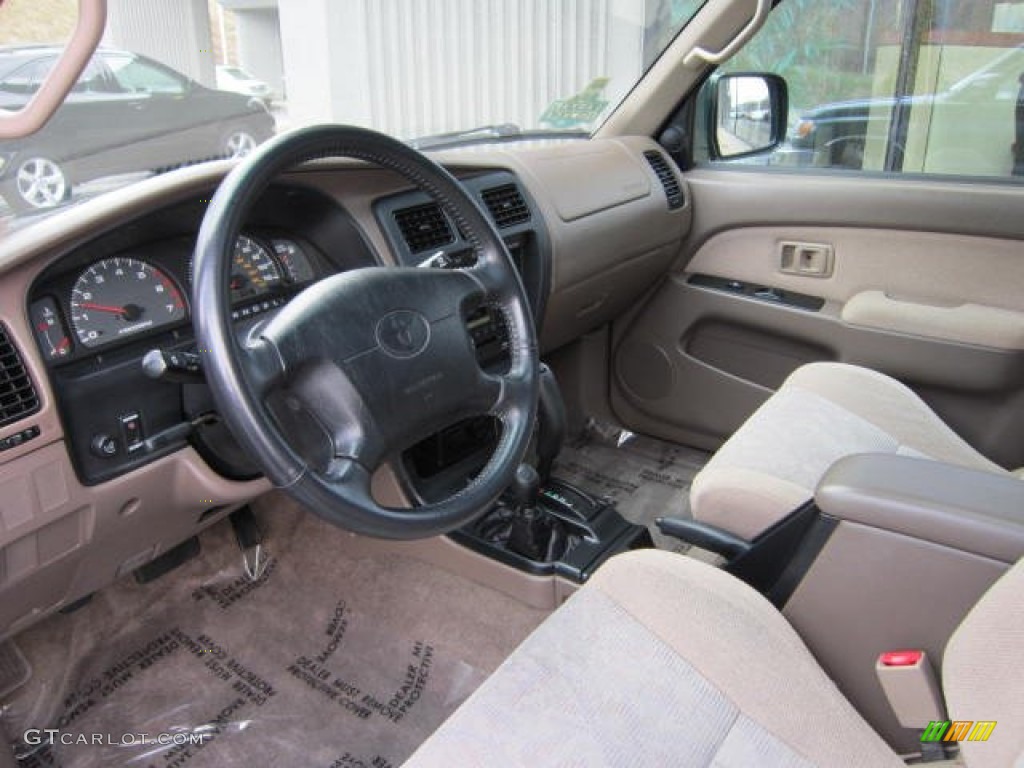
(97, 314)
(111, 453)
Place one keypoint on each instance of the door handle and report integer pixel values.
(807, 259)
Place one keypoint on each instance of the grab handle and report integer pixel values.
(712, 57)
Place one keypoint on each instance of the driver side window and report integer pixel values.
(898, 86)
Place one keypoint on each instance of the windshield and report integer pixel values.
(171, 88)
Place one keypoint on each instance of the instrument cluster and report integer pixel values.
(134, 294)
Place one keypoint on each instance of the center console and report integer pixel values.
(541, 525)
(915, 543)
(555, 529)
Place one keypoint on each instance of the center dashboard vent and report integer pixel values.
(506, 205)
(424, 227)
(18, 398)
(668, 180)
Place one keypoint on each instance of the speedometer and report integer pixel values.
(253, 270)
(120, 297)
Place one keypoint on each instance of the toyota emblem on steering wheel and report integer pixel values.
(403, 333)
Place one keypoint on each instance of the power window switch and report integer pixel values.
(131, 431)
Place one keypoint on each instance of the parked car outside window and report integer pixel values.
(127, 113)
(929, 87)
(238, 80)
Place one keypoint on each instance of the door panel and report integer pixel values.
(920, 287)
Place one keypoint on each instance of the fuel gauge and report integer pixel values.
(295, 261)
(51, 334)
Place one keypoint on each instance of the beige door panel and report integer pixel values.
(727, 199)
(918, 267)
(695, 362)
(918, 278)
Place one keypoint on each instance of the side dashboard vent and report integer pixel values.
(668, 180)
(18, 398)
(506, 205)
(424, 227)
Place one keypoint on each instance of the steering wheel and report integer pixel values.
(375, 359)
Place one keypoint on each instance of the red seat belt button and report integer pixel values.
(900, 658)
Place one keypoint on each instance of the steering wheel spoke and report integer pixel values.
(262, 367)
(490, 273)
(374, 359)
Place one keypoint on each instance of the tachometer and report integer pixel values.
(119, 297)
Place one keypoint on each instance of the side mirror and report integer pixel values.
(748, 114)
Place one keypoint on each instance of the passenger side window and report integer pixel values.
(912, 86)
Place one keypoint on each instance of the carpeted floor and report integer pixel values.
(322, 660)
(645, 477)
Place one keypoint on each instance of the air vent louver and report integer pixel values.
(18, 397)
(423, 227)
(506, 205)
(668, 180)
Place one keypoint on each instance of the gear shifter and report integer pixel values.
(531, 531)
(522, 525)
(525, 488)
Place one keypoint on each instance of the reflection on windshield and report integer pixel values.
(173, 90)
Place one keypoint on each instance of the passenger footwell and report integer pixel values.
(645, 477)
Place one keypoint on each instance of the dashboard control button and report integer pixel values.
(131, 431)
(19, 438)
(105, 446)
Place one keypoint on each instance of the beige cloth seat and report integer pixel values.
(662, 660)
(822, 413)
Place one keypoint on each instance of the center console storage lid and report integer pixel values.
(966, 509)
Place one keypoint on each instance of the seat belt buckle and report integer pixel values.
(910, 685)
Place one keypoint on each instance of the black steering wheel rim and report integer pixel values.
(404, 364)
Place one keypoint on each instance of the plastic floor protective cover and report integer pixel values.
(646, 478)
(322, 660)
